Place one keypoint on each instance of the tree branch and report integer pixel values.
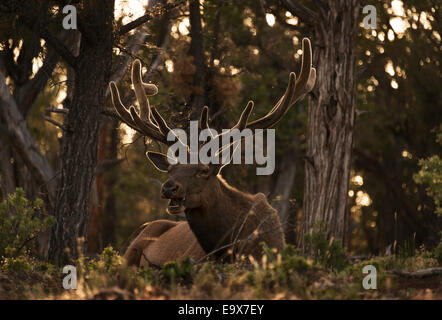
(30, 18)
(58, 46)
(423, 273)
(55, 123)
(22, 140)
(308, 16)
(57, 110)
(25, 95)
(148, 16)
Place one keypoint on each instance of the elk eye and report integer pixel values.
(203, 172)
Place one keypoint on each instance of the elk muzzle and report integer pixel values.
(173, 191)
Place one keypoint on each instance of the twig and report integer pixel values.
(297, 9)
(423, 273)
(148, 16)
(55, 123)
(57, 110)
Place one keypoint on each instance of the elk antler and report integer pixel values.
(148, 122)
(296, 89)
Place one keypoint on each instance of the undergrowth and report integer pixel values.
(325, 273)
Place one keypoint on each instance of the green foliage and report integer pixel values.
(110, 259)
(276, 275)
(437, 253)
(20, 263)
(108, 271)
(26, 263)
(278, 270)
(407, 249)
(175, 271)
(328, 253)
(431, 175)
(18, 223)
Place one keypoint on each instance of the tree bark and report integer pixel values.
(282, 190)
(110, 207)
(94, 244)
(198, 97)
(331, 118)
(24, 145)
(80, 140)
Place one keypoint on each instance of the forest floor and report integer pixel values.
(282, 275)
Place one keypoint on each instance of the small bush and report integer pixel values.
(110, 259)
(21, 263)
(282, 270)
(407, 249)
(431, 175)
(175, 271)
(437, 253)
(328, 253)
(19, 225)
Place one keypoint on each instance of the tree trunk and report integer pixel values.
(7, 181)
(198, 97)
(110, 207)
(25, 149)
(281, 191)
(80, 140)
(94, 244)
(331, 118)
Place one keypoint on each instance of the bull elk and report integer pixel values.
(221, 220)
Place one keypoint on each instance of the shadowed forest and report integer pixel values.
(358, 146)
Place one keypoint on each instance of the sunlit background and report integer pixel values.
(400, 21)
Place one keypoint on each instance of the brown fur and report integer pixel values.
(229, 216)
(224, 220)
(154, 244)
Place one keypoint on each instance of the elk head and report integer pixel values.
(191, 186)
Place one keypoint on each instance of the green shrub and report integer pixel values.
(437, 253)
(328, 253)
(407, 249)
(431, 175)
(175, 271)
(21, 263)
(281, 270)
(19, 225)
(110, 259)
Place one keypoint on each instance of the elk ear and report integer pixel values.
(159, 160)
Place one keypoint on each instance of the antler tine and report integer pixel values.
(279, 109)
(204, 118)
(306, 68)
(162, 125)
(118, 105)
(147, 128)
(242, 122)
(141, 122)
(240, 125)
(295, 90)
(140, 91)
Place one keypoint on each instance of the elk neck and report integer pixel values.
(222, 208)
